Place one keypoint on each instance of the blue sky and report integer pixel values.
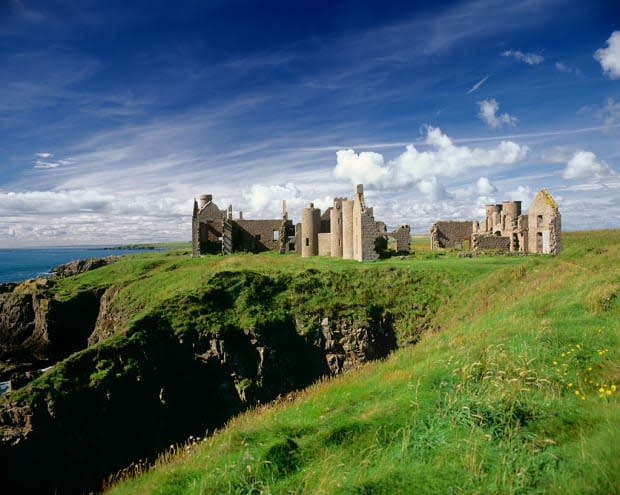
(115, 115)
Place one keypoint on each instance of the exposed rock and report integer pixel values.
(37, 330)
(80, 266)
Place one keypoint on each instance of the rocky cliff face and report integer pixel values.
(186, 368)
(37, 330)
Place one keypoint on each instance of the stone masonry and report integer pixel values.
(505, 228)
(215, 231)
(348, 230)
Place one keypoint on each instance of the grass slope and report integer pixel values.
(516, 394)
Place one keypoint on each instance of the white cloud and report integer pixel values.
(367, 167)
(44, 155)
(523, 194)
(433, 189)
(488, 113)
(444, 159)
(609, 57)
(484, 187)
(53, 203)
(528, 58)
(584, 165)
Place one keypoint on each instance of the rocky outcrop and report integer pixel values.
(108, 320)
(346, 345)
(37, 329)
(106, 407)
(80, 266)
(188, 366)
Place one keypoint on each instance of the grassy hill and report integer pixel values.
(513, 389)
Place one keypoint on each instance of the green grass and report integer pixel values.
(516, 393)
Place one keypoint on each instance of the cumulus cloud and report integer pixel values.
(484, 187)
(609, 57)
(488, 113)
(44, 155)
(433, 189)
(444, 159)
(528, 58)
(523, 194)
(584, 165)
(366, 167)
(265, 201)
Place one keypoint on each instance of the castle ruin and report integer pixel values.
(345, 230)
(348, 230)
(216, 231)
(506, 229)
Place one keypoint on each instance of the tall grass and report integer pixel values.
(514, 392)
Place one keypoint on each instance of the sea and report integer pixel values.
(24, 263)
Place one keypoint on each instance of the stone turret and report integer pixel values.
(310, 227)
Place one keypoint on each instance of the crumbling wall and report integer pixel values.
(450, 234)
(256, 235)
(482, 242)
(545, 225)
(402, 235)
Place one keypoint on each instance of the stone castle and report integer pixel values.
(216, 231)
(506, 229)
(346, 230)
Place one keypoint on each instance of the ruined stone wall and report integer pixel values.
(484, 242)
(368, 238)
(325, 239)
(402, 235)
(545, 225)
(450, 234)
(256, 235)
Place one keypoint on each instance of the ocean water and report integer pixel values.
(20, 264)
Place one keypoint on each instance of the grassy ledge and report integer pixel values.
(516, 392)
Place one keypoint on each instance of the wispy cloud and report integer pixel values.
(478, 84)
(566, 68)
(528, 58)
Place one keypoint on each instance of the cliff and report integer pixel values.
(139, 364)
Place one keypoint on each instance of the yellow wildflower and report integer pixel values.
(614, 388)
(601, 390)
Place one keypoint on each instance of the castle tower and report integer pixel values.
(336, 228)
(544, 225)
(310, 227)
(205, 199)
(347, 229)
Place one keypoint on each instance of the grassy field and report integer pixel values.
(513, 391)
